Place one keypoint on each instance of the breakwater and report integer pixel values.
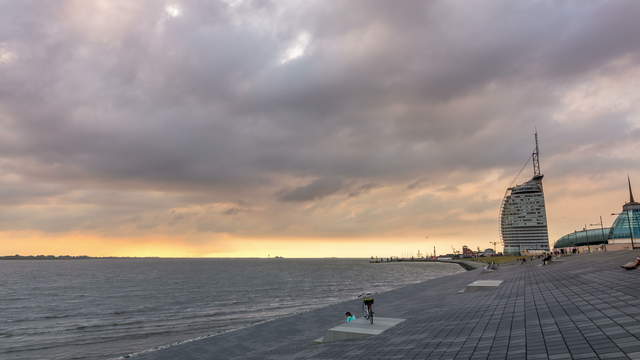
(465, 264)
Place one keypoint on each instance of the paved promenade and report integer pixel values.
(581, 307)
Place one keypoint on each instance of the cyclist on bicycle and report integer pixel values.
(368, 301)
(367, 306)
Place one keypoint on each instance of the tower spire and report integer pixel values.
(536, 158)
(630, 192)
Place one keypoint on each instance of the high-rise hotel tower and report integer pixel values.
(523, 218)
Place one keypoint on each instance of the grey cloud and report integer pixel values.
(363, 189)
(314, 190)
(333, 116)
(199, 106)
(231, 211)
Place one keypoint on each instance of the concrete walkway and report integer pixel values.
(582, 307)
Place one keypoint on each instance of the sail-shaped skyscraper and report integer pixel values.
(523, 218)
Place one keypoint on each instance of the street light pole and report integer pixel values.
(633, 246)
(586, 234)
(604, 240)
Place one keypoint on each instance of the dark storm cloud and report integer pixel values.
(108, 95)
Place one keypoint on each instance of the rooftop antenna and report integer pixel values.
(536, 158)
(630, 192)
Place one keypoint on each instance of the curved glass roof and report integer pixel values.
(584, 237)
(626, 226)
(620, 228)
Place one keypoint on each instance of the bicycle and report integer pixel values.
(367, 306)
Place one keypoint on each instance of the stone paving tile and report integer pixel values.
(582, 307)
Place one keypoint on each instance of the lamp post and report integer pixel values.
(586, 235)
(601, 228)
(633, 246)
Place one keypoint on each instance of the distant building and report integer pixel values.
(523, 218)
(489, 252)
(466, 252)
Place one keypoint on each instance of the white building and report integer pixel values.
(523, 217)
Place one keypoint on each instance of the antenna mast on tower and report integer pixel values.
(536, 158)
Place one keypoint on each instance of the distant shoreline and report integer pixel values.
(86, 257)
(69, 257)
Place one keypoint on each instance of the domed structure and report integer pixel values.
(626, 227)
(589, 237)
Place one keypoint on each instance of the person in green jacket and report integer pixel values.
(350, 317)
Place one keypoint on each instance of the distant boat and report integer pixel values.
(279, 257)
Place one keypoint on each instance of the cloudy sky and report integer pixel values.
(307, 128)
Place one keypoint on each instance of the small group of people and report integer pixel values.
(566, 251)
(546, 258)
(579, 250)
(492, 266)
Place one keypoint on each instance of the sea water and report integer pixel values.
(104, 309)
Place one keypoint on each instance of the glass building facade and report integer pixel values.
(625, 228)
(626, 225)
(584, 238)
(523, 218)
